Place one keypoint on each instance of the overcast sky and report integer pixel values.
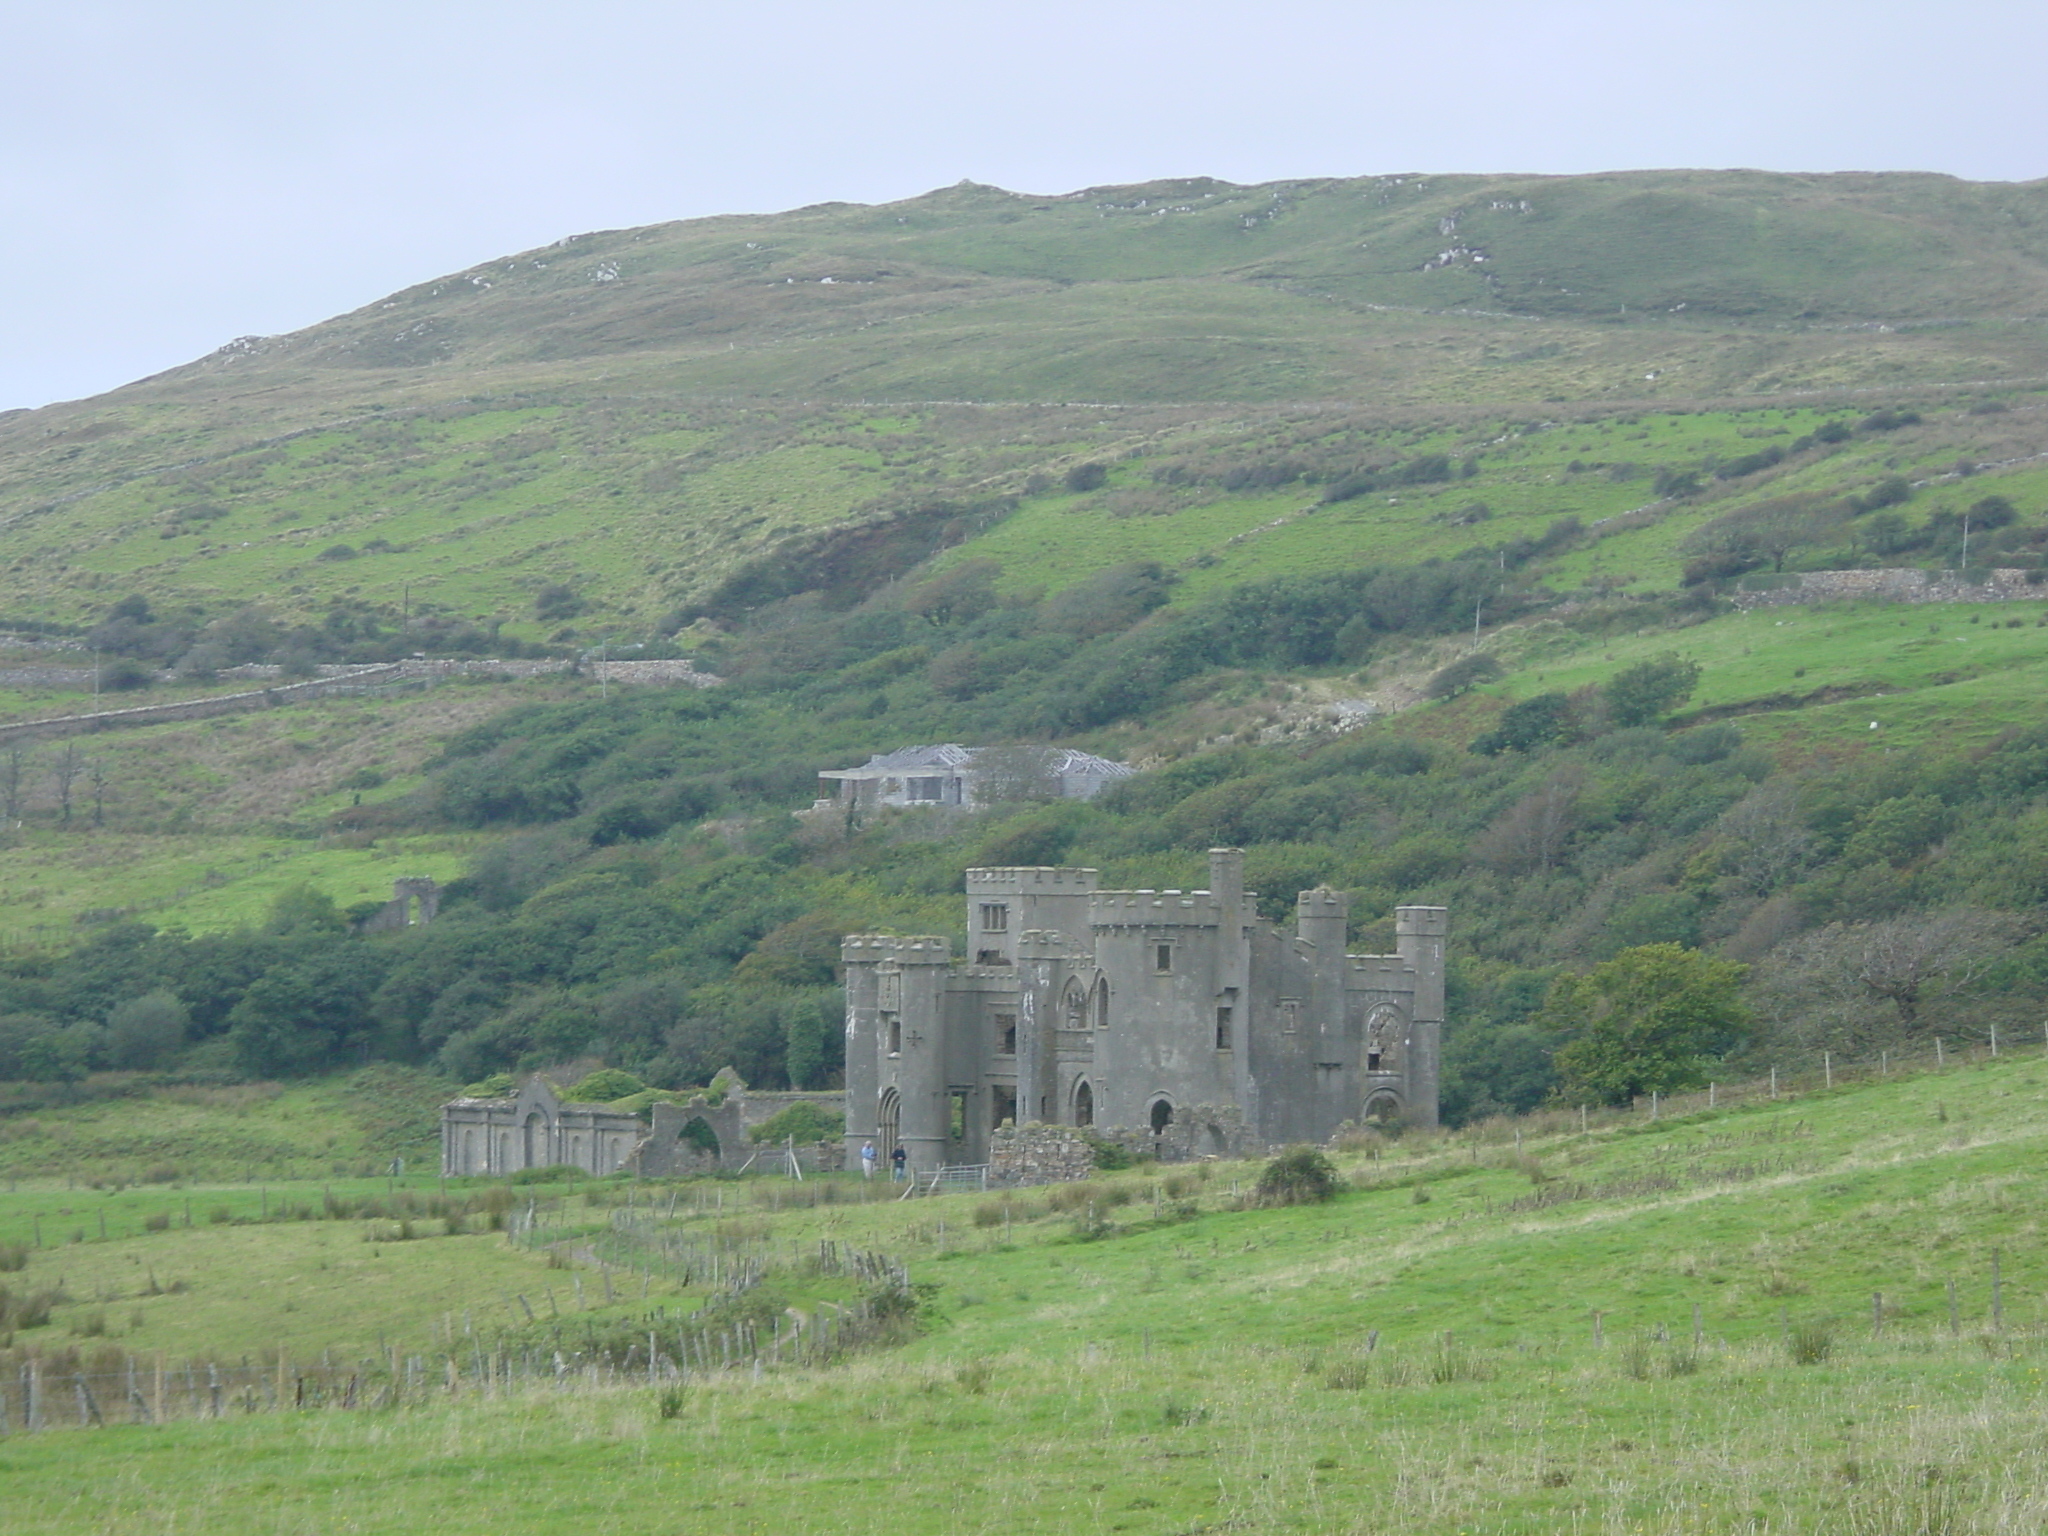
(175, 173)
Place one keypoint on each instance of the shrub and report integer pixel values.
(1298, 1176)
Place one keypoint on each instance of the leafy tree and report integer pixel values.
(605, 1085)
(1533, 723)
(1644, 693)
(1462, 675)
(146, 1031)
(1650, 1019)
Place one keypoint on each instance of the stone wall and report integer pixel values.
(1038, 1154)
(340, 680)
(1897, 585)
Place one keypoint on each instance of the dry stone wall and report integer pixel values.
(1897, 586)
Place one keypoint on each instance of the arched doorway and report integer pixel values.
(1084, 1103)
(1382, 1109)
(888, 1125)
(1162, 1116)
(536, 1148)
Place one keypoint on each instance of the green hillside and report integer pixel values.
(1820, 1312)
(631, 414)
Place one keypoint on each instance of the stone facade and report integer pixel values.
(415, 899)
(1177, 1018)
(535, 1128)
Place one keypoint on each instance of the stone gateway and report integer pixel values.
(1142, 1014)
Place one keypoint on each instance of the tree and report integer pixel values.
(1462, 676)
(146, 1031)
(1533, 723)
(1899, 962)
(1646, 692)
(65, 769)
(1649, 1020)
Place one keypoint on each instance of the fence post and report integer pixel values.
(1997, 1295)
(1696, 1331)
(1774, 1082)
(1994, 1039)
(1710, 1095)
(1827, 1067)
(1596, 1328)
(1877, 1314)
(1955, 1327)
(1937, 1051)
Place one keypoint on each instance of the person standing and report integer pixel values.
(867, 1160)
(898, 1164)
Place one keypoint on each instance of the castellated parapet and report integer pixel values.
(1126, 1012)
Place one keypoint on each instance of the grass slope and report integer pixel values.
(1376, 1362)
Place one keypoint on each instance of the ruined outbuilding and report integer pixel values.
(1175, 1018)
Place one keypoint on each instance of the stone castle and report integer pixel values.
(1176, 1017)
(1174, 1021)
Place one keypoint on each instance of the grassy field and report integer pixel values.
(1481, 1336)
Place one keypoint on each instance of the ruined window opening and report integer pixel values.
(1162, 957)
(1002, 1107)
(995, 917)
(895, 1026)
(1084, 1104)
(1006, 1034)
(925, 789)
(1162, 1117)
(956, 1119)
(990, 957)
(1372, 1061)
(1224, 1015)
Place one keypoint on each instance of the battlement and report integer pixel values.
(904, 949)
(1154, 909)
(1058, 880)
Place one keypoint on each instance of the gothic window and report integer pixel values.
(1224, 1020)
(1076, 1007)
(1385, 1031)
(1084, 1104)
(1102, 1002)
(1162, 1116)
(893, 1023)
(1006, 1034)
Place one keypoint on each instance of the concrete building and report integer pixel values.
(951, 774)
(1144, 1014)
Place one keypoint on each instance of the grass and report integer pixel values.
(1334, 1367)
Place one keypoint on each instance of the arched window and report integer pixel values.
(1385, 1032)
(1084, 1103)
(1102, 1002)
(1162, 1116)
(1075, 1009)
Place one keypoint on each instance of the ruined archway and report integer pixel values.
(1084, 1103)
(697, 1132)
(536, 1141)
(1162, 1116)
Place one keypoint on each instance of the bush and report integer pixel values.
(1298, 1176)
(1811, 1343)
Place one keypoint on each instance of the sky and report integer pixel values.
(177, 173)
